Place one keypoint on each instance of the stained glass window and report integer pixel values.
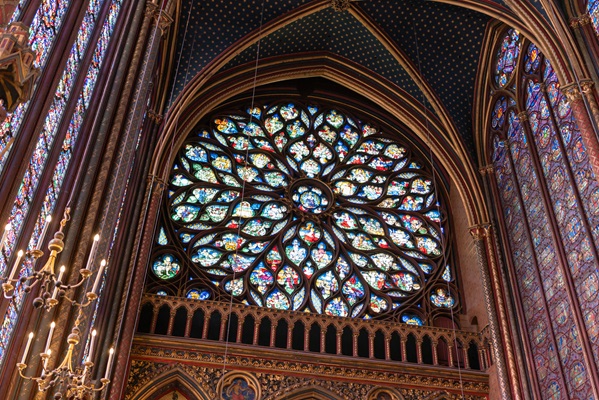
(507, 57)
(593, 9)
(304, 208)
(44, 28)
(46, 141)
(548, 133)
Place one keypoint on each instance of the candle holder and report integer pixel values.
(51, 286)
(66, 380)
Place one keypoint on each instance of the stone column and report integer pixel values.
(585, 125)
(480, 235)
(586, 86)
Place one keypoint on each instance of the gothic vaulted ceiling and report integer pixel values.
(442, 42)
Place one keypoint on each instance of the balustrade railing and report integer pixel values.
(316, 333)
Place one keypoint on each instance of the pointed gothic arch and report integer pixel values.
(307, 393)
(168, 381)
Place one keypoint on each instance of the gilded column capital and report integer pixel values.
(154, 116)
(17, 63)
(487, 169)
(481, 231)
(572, 92)
(586, 86)
(151, 8)
(161, 17)
(523, 116)
(581, 20)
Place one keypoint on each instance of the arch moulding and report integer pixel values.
(449, 154)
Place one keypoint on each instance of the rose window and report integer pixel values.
(303, 208)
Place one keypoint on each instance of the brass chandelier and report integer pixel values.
(68, 379)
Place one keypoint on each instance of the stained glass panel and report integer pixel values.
(303, 208)
(507, 57)
(45, 143)
(545, 356)
(551, 146)
(552, 275)
(44, 28)
(593, 10)
(552, 161)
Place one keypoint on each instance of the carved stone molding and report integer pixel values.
(17, 72)
(273, 385)
(7, 8)
(474, 382)
(523, 116)
(581, 20)
(487, 169)
(572, 92)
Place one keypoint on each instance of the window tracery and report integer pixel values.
(543, 179)
(304, 208)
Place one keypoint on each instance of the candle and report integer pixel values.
(49, 353)
(16, 266)
(109, 363)
(99, 276)
(83, 375)
(49, 341)
(55, 293)
(4, 235)
(92, 253)
(27, 348)
(91, 345)
(40, 241)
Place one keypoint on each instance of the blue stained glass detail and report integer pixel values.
(507, 57)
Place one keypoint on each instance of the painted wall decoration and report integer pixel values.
(303, 208)
(238, 389)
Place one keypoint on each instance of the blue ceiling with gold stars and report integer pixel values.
(336, 32)
(443, 42)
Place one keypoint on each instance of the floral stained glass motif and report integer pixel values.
(49, 131)
(307, 209)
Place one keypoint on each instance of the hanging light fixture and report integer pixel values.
(52, 287)
(71, 381)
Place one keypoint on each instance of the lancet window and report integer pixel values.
(307, 208)
(49, 137)
(549, 199)
(44, 30)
